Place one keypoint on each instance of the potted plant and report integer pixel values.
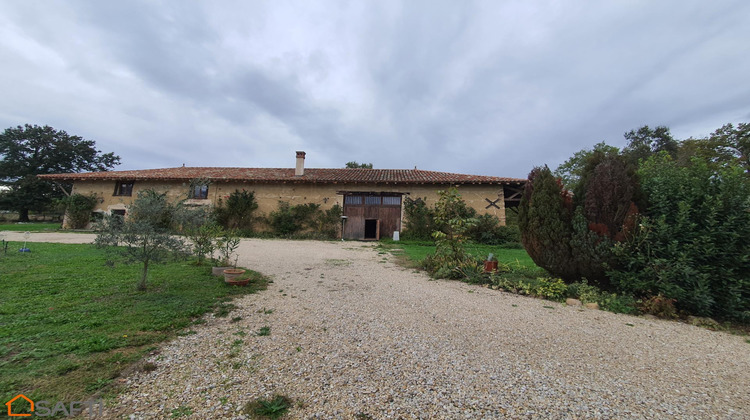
(226, 245)
(238, 280)
(233, 274)
(490, 264)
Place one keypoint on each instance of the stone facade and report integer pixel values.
(268, 195)
(364, 188)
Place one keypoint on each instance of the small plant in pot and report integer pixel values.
(234, 275)
(226, 245)
(490, 264)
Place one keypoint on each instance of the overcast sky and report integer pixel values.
(486, 88)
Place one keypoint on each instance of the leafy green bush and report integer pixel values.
(584, 292)
(237, 212)
(612, 302)
(153, 209)
(550, 288)
(487, 230)
(78, 208)
(541, 287)
(283, 220)
(328, 222)
(450, 259)
(305, 221)
(419, 222)
(618, 303)
(203, 239)
(693, 245)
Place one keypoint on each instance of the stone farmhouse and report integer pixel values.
(372, 199)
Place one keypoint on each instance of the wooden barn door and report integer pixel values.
(371, 215)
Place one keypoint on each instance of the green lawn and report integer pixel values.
(416, 251)
(69, 324)
(30, 227)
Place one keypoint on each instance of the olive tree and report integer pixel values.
(145, 236)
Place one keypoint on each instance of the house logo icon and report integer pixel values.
(10, 404)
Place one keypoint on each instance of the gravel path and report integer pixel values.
(355, 336)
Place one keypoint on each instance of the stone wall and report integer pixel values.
(269, 195)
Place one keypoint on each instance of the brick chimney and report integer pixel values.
(300, 170)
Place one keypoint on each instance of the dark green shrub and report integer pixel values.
(573, 236)
(586, 293)
(287, 220)
(545, 222)
(328, 222)
(305, 221)
(420, 219)
(237, 212)
(541, 287)
(283, 220)
(618, 303)
(78, 208)
(692, 245)
(488, 231)
(612, 302)
(307, 215)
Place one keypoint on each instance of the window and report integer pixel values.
(372, 200)
(353, 200)
(199, 192)
(391, 201)
(124, 188)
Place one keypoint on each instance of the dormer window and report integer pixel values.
(124, 188)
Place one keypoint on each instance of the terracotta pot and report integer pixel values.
(233, 273)
(239, 282)
(490, 266)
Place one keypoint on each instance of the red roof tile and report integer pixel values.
(312, 175)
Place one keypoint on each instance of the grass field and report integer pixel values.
(417, 250)
(30, 227)
(69, 324)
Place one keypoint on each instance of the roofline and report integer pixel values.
(129, 175)
(292, 181)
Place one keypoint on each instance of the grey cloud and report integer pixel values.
(474, 87)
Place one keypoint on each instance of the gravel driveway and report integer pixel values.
(355, 336)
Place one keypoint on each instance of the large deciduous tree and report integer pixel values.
(725, 147)
(647, 141)
(354, 165)
(571, 170)
(31, 150)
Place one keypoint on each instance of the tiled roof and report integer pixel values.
(271, 175)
